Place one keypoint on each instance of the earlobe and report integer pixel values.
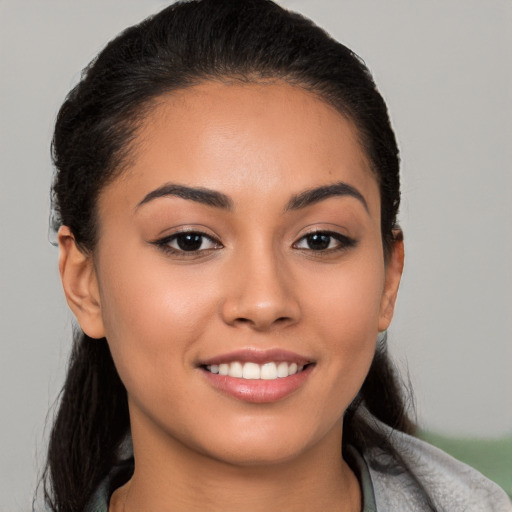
(394, 269)
(80, 284)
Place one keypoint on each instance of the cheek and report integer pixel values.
(347, 297)
(344, 305)
(153, 315)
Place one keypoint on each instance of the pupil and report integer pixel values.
(189, 242)
(318, 241)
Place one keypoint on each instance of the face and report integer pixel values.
(244, 238)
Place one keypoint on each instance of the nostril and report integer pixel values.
(278, 321)
(259, 312)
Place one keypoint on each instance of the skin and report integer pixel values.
(256, 284)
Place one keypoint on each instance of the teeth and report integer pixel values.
(235, 369)
(282, 370)
(251, 371)
(269, 371)
(254, 371)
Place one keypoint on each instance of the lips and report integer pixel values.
(257, 376)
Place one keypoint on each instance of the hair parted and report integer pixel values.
(185, 44)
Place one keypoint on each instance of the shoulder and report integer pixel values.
(414, 475)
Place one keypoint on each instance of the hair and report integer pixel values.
(183, 45)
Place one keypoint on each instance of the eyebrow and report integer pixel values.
(197, 194)
(219, 200)
(315, 195)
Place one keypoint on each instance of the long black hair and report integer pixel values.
(185, 44)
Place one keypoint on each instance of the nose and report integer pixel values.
(260, 293)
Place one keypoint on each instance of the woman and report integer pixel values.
(226, 198)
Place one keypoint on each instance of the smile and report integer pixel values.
(254, 371)
(258, 376)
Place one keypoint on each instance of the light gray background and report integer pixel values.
(445, 69)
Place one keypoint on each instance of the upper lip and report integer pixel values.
(259, 356)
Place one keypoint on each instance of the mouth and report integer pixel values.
(253, 371)
(258, 376)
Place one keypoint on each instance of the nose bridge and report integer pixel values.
(260, 292)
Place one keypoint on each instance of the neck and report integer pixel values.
(170, 477)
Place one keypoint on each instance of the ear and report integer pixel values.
(394, 268)
(80, 284)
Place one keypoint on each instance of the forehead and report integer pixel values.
(270, 139)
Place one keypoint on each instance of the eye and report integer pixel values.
(188, 242)
(324, 241)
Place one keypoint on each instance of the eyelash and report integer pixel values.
(164, 243)
(343, 243)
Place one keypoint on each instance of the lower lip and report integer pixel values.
(258, 391)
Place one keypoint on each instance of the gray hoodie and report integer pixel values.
(419, 477)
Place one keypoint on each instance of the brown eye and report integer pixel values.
(318, 241)
(188, 242)
(324, 241)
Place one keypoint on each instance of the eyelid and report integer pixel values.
(163, 243)
(345, 241)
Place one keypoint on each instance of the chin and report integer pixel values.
(267, 445)
(270, 453)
